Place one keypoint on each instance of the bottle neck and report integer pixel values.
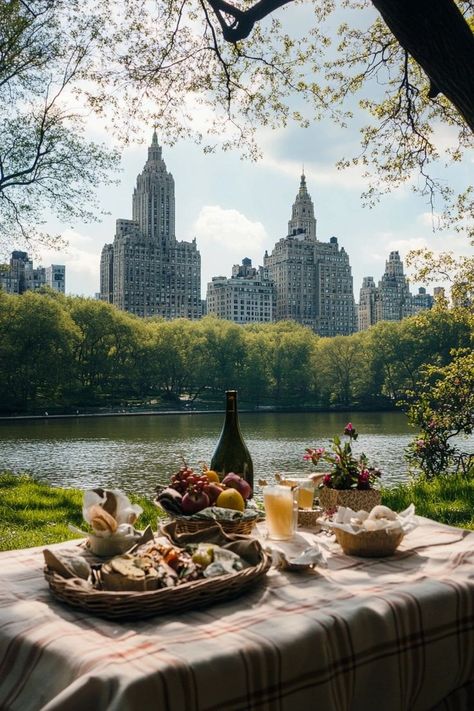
(231, 415)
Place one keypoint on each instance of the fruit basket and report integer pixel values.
(131, 605)
(195, 500)
(230, 521)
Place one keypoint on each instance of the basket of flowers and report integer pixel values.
(350, 481)
(195, 500)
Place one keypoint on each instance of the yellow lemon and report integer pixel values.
(231, 499)
(212, 475)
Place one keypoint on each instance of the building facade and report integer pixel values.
(146, 270)
(246, 297)
(20, 275)
(312, 279)
(366, 309)
(391, 300)
(55, 277)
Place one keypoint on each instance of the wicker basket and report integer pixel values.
(368, 544)
(187, 524)
(131, 605)
(356, 499)
(308, 518)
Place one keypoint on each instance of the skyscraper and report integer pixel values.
(313, 279)
(146, 270)
(391, 300)
(366, 310)
(393, 297)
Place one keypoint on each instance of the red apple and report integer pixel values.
(193, 502)
(234, 481)
(213, 490)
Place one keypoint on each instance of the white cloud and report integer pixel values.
(82, 260)
(224, 238)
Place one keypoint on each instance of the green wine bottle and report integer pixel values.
(231, 453)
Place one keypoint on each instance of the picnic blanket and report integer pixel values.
(395, 634)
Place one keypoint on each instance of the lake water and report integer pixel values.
(135, 453)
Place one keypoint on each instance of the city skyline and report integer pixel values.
(238, 209)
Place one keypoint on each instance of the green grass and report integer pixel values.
(449, 499)
(33, 513)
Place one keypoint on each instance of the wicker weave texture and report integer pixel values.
(186, 525)
(138, 605)
(356, 499)
(368, 544)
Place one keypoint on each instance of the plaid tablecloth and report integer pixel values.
(390, 634)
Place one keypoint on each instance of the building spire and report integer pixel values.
(303, 222)
(154, 150)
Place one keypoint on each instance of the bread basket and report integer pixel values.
(369, 544)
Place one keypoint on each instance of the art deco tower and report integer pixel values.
(153, 198)
(313, 280)
(146, 270)
(302, 220)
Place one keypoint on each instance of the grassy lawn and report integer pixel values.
(449, 499)
(33, 513)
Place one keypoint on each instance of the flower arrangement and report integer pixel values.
(347, 472)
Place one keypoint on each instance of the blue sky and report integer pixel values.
(237, 208)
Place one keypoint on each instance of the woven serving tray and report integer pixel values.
(139, 605)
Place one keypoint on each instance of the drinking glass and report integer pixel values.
(305, 491)
(281, 511)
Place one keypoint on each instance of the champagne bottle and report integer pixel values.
(231, 453)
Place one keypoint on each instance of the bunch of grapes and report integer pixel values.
(186, 480)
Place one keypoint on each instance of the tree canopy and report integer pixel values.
(68, 352)
(47, 163)
(216, 71)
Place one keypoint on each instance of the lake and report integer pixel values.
(136, 453)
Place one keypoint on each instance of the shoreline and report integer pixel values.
(161, 413)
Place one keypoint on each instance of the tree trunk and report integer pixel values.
(438, 38)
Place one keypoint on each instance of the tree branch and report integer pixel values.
(243, 20)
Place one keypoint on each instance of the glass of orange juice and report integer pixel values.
(305, 488)
(281, 511)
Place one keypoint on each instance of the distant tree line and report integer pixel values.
(60, 352)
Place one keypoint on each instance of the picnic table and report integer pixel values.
(395, 634)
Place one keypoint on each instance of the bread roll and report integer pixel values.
(101, 521)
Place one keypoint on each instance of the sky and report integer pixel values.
(237, 208)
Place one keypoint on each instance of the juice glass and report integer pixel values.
(305, 491)
(281, 511)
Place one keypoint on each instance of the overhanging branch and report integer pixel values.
(237, 24)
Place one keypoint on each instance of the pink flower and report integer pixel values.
(313, 455)
(364, 476)
(327, 480)
(348, 427)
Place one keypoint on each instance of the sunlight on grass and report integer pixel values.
(449, 499)
(33, 513)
